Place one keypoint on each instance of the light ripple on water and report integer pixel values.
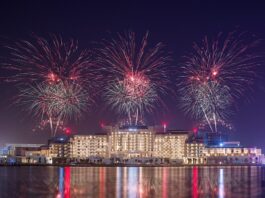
(132, 182)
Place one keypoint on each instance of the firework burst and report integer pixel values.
(137, 75)
(216, 74)
(207, 101)
(57, 80)
(57, 102)
(125, 98)
(49, 60)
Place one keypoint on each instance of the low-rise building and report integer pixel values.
(224, 153)
(232, 155)
(21, 149)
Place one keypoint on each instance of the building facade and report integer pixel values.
(194, 153)
(123, 143)
(131, 142)
(170, 145)
(232, 155)
(224, 153)
(84, 146)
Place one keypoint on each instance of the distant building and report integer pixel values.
(214, 139)
(21, 149)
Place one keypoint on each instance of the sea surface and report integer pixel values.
(132, 182)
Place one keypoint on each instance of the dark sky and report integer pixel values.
(176, 25)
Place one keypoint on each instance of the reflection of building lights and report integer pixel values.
(61, 182)
(102, 182)
(195, 182)
(165, 183)
(221, 183)
(133, 182)
(67, 182)
(119, 181)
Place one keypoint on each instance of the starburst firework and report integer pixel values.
(49, 60)
(216, 74)
(137, 75)
(60, 102)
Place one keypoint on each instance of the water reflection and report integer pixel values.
(221, 183)
(131, 182)
(164, 183)
(195, 182)
(64, 182)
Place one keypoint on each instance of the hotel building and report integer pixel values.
(194, 153)
(84, 146)
(170, 145)
(131, 142)
(123, 143)
(135, 144)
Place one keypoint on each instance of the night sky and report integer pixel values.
(176, 25)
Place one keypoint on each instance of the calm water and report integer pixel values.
(131, 182)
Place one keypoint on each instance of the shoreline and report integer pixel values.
(130, 165)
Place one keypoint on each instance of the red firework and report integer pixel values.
(52, 60)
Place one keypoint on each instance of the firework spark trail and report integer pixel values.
(58, 102)
(54, 75)
(137, 75)
(216, 74)
(119, 98)
(207, 100)
(51, 60)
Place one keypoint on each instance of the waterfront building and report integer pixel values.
(170, 145)
(194, 153)
(123, 143)
(21, 149)
(132, 145)
(57, 150)
(131, 142)
(224, 153)
(85, 146)
(4, 151)
(232, 155)
(23, 153)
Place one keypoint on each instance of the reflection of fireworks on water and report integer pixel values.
(137, 74)
(58, 102)
(51, 60)
(217, 73)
